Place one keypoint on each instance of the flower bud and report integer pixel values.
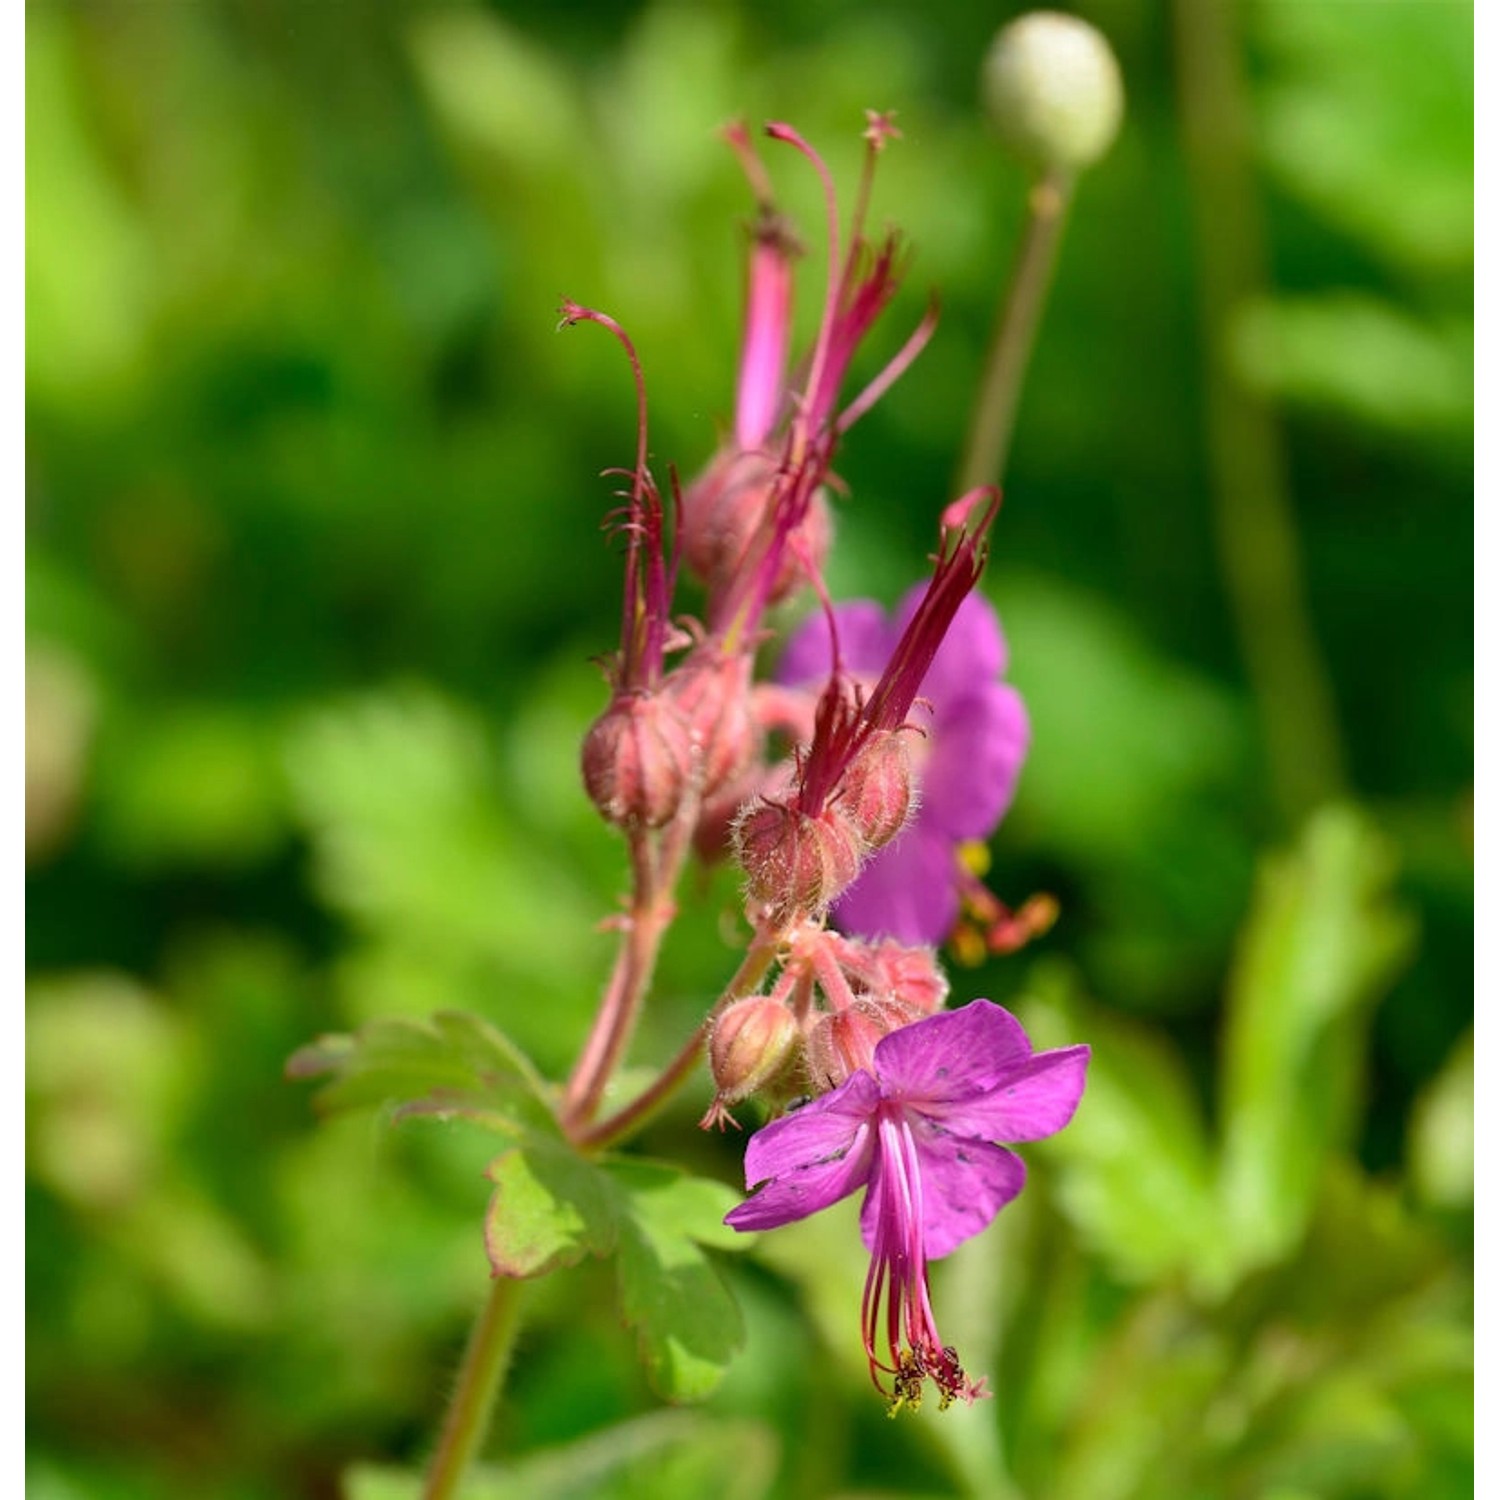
(752, 1043)
(1052, 87)
(729, 506)
(713, 838)
(795, 864)
(912, 976)
(844, 1042)
(711, 694)
(876, 791)
(637, 761)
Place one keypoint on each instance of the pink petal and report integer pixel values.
(964, 1185)
(908, 891)
(865, 642)
(809, 1158)
(952, 1056)
(1037, 1100)
(979, 742)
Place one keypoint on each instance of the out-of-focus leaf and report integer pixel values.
(1147, 1396)
(1371, 122)
(1134, 1169)
(1345, 1345)
(1442, 1133)
(1120, 735)
(497, 91)
(452, 1064)
(1125, 740)
(1318, 1377)
(88, 283)
(61, 707)
(1323, 941)
(658, 1457)
(413, 843)
(109, 1070)
(1360, 357)
(193, 785)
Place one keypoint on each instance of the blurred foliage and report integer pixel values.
(314, 579)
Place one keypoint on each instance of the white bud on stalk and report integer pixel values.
(1053, 89)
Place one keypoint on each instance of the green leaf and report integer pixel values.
(1323, 941)
(1441, 1144)
(550, 1208)
(413, 841)
(1137, 1179)
(452, 1064)
(666, 1453)
(688, 1324)
(673, 1202)
(1362, 357)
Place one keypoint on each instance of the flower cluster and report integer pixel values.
(904, 746)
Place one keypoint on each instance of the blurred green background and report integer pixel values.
(314, 580)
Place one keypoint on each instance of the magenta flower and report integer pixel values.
(919, 1132)
(968, 759)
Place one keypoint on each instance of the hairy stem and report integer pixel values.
(645, 923)
(656, 862)
(479, 1382)
(627, 1120)
(1020, 312)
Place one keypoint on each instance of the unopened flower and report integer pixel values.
(795, 862)
(642, 755)
(845, 1041)
(920, 1132)
(750, 1045)
(756, 522)
(967, 759)
(1053, 89)
(638, 759)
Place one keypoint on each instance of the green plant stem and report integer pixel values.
(1016, 322)
(479, 1382)
(1256, 531)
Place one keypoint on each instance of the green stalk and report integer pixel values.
(1260, 553)
(1016, 324)
(479, 1382)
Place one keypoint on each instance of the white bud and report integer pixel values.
(1052, 87)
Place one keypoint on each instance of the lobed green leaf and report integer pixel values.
(452, 1064)
(550, 1208)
